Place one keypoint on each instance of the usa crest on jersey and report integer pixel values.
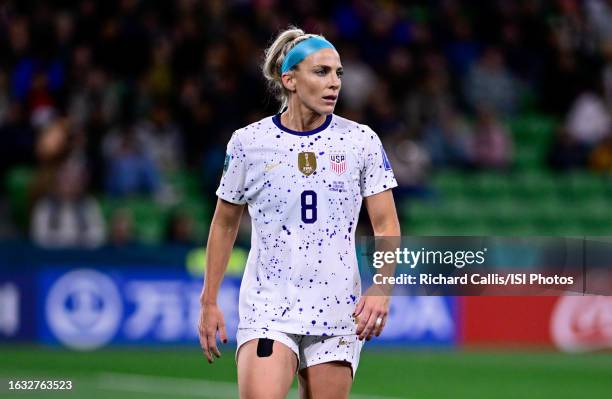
(338, 163)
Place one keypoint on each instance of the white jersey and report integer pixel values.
(304, 192)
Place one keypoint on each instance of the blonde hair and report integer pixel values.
(274, 57)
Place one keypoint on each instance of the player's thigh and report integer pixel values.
(331, 380)
(266, 377)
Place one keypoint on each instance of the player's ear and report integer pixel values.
(289, 81)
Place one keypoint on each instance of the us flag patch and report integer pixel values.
(338, 163)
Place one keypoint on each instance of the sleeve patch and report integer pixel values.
(228, 158)
(385, 159)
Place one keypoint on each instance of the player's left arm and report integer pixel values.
(372, 305)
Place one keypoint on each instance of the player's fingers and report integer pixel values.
(216, 351)
(380, 328)
(223, 333)
(367, 331)
(201, 334)
(212, 344)
(363, 320)
(369, 324)
(359, 306)
(381, 314)
(202, 340)
(376, 314)
(204, 344)
(215, 348)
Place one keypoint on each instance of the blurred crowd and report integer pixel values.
(110, 98)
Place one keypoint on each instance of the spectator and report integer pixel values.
(358, 80)
(599, 16)
(17, 138)
(400, 73)
(411, 163)
(95, 97)
(180, 229)
(161, 139)
(491, 146)
(4, 98)
(381, 110)
(68, 217)
(160, 73)
(463, 49)
(489, 83)
(448, 140)
(427, 104)
(606, 73)
(588, 121)
(563, 67)
(121, 232)
(601, 157)
(52, 148)
(566, 152)
(129, 171)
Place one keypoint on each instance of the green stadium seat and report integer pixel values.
(535, 185)
(198, 209)
(528, 158)
(185, 182)
(531, 128)
(450, 183)
(17, 183)
(150, 218)
(532, 134)
(486, 185)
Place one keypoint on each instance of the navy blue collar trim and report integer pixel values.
(277, 122)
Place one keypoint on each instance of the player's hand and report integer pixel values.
(368, 310)
(211, 321)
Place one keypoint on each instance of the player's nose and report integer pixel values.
(334, 82)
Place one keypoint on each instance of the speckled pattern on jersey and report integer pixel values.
(301, 275)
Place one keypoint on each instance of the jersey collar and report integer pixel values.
(277, 121)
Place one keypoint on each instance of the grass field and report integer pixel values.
(383, 374)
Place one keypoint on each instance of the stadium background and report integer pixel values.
(496, 116)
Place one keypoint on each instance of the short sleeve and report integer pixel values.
(376, 175)
(232, 185)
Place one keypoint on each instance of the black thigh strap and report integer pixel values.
(264, 347)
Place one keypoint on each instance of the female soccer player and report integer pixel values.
(303, 174)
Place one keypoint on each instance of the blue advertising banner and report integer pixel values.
(89, 308)
(421, 321)
(17, 301)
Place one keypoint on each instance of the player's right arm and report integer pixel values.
(223, 231)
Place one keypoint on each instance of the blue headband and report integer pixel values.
(302, 50)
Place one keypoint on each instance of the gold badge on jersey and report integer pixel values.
(307, 163)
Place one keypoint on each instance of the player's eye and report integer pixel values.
(321, 72)
(340, 72)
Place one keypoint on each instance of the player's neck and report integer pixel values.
(301, 120)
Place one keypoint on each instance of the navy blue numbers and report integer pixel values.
(309, 206)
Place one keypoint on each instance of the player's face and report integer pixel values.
(317, 81)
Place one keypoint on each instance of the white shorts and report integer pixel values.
(309, 349)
